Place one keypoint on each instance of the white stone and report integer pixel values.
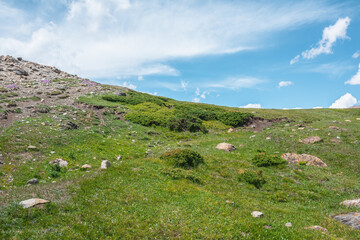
(226, 147)
(288, 224)
(32, 202)
(257, 214)
(351, 203)
(105, 164)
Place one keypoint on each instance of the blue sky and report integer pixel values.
(269, 54)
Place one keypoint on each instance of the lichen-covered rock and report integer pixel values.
(351, 219)
(257, 214)
(310, 140)
(226, 147)
(60, 162)
(309, 160)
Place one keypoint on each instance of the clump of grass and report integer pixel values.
(55, 92)
(252, 177)
(42, 108)
(184, 158)
(3, 89)
(178, 173)
(266, 160)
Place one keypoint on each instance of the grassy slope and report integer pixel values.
(133, 199)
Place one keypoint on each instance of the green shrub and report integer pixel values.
(148, 114)
(54, 170)
(178, 173)
(186, 123)
(252, 177)
(265, 160)
(134, 98)
(184, 158)
(235, 119)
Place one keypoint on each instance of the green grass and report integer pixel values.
(141, 196)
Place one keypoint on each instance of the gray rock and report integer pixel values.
(351, 203)
(351, 219)
(60, 162)
(226, 147)
(288, 224)
(257, 214)
(105, 164)
(310, 140)
(86, 166)
(32, 181)
(309, 160)
(32, 202)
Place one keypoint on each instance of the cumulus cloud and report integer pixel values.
(356, 54)
(285, 83)
(345, 101)
(196, 100)
(355, 80)
(330, 35)
(128, 85)
(251, 105)
(110, 38)
(184, 84)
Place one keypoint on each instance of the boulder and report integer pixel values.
(257, 214)
(32, 181)
(32, 202)
(351, 203)
(105, 164)
(309, 160)
(60, 162)
(226, 147)
(351, 219)
(311, 140)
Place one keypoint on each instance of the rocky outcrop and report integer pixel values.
(305, 159)
(226, 147)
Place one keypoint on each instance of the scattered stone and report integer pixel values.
(309, 160)
(334, 128)
(335, 140)
(86, 166)
(288, 224)
(32, 181)
(347, 120)
(118, 158)
(229, 202)
(311, 140)
(105, 164)
(358, 119)
(317, 228)
(60, 162)
(226, 147)
(351, 219)
(257, 214)
(31, 147)
(301, 128)
(351, 203)
(32, 202)
(230, 130)
(268, 227)
(268, 138)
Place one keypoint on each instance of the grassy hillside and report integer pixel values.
(144, 195)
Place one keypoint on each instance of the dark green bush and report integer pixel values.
(178, 173)
(251, 177)
(235, 119)
(186, 123)
(54, 170)
(134, 98)
(184, 158)
(265, 160)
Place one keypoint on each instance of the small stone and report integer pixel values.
(230, 130)
(335, 140)
(268, 138)
(86, 166)
(347, 120)
(351, 203)
(257, 214)
(318, 228)
(311, 140)
(268, 227)
(32, 202)
(31, 147)
(226, 147)
(358, 119)
(60, 162)
(229, 202)
(334, 128)
(118, 158)
(288, 224)
(105, 164)
(32, 181)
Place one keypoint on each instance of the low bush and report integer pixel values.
(184, 158)
(235, 119)
(178, 173)
(252, 177)
(134, 98)
(148, 114)
(266, 160)
(186, 123)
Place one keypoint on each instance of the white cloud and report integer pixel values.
(236, 83)
(319, 107)
(251, 105)
(128, 85)
(285, 83)
(117, 37)
(330, 35)
(355, 80)
(140, 78)
(333, 68)
(345, 101)
(356, 54)
(184, 84)
(196, 100)
(295, 59)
